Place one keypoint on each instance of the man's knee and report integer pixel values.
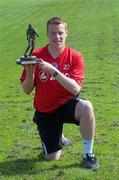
(53, 156)
(87, 107)
(83, 107)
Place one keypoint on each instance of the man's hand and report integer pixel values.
(30, 68)
(46, 67)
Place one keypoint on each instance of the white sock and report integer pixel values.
(88, 146)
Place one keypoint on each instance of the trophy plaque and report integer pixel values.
(26, 60)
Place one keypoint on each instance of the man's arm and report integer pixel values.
(36, 33)
(70, 84)
(28, 83)
(27, 34)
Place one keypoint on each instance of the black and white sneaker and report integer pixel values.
(90, 162)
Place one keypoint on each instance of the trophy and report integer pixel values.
(31, 37)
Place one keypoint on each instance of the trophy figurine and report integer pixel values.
(31, 37)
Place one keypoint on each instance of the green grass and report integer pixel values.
(93, 30)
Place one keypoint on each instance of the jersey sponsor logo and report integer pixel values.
(43, 76)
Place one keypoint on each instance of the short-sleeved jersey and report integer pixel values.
(49, 93)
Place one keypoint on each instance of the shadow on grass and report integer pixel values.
(19, 166)
(27, 166)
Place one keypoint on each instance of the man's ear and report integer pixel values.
(66, 33)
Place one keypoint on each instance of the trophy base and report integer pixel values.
(26, 60)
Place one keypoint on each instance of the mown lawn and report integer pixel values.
(94, 31)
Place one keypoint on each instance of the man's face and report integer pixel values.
(57, 35)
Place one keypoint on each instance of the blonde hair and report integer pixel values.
(56, 20)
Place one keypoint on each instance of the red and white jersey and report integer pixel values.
(49, 94)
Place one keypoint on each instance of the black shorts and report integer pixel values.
(50, 125)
